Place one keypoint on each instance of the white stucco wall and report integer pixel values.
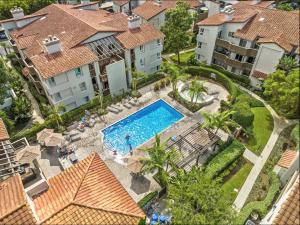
(158, 20)
(116, 74)
(213, 7)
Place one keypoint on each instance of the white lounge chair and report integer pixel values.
(112, 109)
(117, 107)
(127, 105)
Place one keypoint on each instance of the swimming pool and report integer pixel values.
(139, 127)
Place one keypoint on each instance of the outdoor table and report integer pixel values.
(73, 158)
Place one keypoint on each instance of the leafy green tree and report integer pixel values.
(282, 91)
(195, 199)
(285, 7)
(196, 89)
(287, 64)
(55, 114)
(136, 75)
(159, 159)
(3, 81)
(21, 108)
(9, 124)
(219, 120)
(178, 22)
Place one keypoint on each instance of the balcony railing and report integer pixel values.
(235, 48)
(232, 62)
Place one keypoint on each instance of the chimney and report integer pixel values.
(17, 12)
(52, 44)
(134, 21)
(228, 11)
(84, 2)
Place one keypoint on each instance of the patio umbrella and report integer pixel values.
(134, 164)
(54, 140)
(28, 154)
(42, 135)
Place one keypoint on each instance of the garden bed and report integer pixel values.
(188, 105)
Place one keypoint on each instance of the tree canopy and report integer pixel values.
(29, 6)
(196, 199)
(3, 81)
(178, 22)
(283, 92)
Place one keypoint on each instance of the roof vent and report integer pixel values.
(52, 44)
(134, 21)
(17, 13)
(228, 11)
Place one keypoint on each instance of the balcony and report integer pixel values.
(231, 62)
(235, 48)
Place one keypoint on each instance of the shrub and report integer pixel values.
(295, 136)
(193, 61)
(162, 83)
(149, 79)
(253, 102)
(260, 206)
(149, 197)
(221, 161)
(168, 82)
(156, 86)
(243, 116)
(187, 104)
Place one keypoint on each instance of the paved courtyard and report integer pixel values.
(91, 138)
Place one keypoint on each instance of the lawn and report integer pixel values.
(262, 129)
(236, 182)
(183, 57)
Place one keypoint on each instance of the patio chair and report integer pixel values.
(113, 110)
(132, 102)
(117, 107)
(127, 105)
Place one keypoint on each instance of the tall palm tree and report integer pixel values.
(55, 114)
(136, 75)
(196, 89)
(287, 64)
(159, 159)
(98, 99)
(219, 120)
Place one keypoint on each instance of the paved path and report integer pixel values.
(249, 155)
(279, 124)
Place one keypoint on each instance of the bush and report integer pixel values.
(162, 83)
(149, 79)
(156, 86)
(187, 104)
(261, 207)
(253, 102)
(295, 136)
(149, 197)
(221, 161)
(243, 116)
(205, 71)
(193, 61)
(168, 82)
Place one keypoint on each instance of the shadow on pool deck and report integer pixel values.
(139, 184)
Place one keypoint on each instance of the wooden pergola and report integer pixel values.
(8, 163)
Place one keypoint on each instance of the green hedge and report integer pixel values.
(295, 136)
(204, 71)
(144, 201)
(243, 116)
(222, 160)
(253, 102)
(261, 207)
(149, 79)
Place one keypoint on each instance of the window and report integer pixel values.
(158, 42)
(86, 98)
(78, 72)
(82, 86)
(158, 68)
(142, 62)
(200, 44)
(158, 55)
(230, 34)
(199, 56)
(201, 31)
(51, 81)
(57, 97)
(92, 69)
(142, 48)
(250, 59)
(243, 43)
(238, 57)
(220, 34)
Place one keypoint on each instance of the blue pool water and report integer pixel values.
(140, 126)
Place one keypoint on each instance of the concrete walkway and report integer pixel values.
(249, 155)
(279, 124)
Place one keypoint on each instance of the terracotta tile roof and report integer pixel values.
(287, 158)
(84, 4)
(86, 193)
(13, 205)
(259, 75)
(25, 17)
(121, 2)
(135, 37)
(3, 132)
(262, 4)
(290, 209)
(148, 10)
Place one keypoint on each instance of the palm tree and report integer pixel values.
(196, 89)
(219, 120)
(21, 108)
(159, 159)
(287, 64)
(55, 114)
(99, 100)
(136, 75)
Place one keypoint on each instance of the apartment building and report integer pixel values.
(248, 39)
(70, 52)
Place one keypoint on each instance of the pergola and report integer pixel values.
(191, 145)
(106, 47)
(8, 163)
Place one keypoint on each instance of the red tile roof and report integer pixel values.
(13, 204)
(3, 132)
(287, 158)
(87, 193)
(259, 75)
(135, 37)
(290, 209)
(25, 17)
(149, 9)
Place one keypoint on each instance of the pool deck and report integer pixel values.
(91, 140)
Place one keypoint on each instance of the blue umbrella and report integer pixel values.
(154, 217)
(162, 219)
